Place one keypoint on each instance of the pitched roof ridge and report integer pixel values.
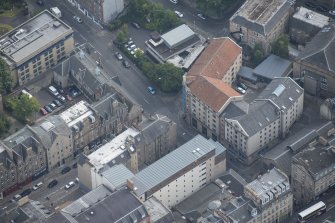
(212, 57)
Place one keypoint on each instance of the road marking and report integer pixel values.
(331, 207)
(147, 102)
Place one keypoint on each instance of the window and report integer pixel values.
(324, 83)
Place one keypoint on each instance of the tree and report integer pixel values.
(6, 81)
(4, 125)
(22, 107)
(280, 47)
(169, 77)
(257, 54)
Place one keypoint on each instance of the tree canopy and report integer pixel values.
(4, 125)
(6, 81)
(257, 54)
(22, 107)
(280, 47)
(214, 8)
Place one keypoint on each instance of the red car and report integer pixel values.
(69, 98)
(43, 111)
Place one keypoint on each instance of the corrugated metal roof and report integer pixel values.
(177, 35)
(172, 163)
(118, 175)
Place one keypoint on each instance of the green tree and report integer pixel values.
(169, 77)
(280, 47)
(257, 54)
(6, 82)
(22, 107)
(4, 125)
(214, 8)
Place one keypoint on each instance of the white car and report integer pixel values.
(240, 90)
(78, 19)
(332, 12)
(201, 16)
(69, 185)
(179, 14)
(174, 1)
(38, 185)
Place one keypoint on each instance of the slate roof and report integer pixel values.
(273, 66)
(320, 51)
(261, 16)
(235, 109)
(247, 73)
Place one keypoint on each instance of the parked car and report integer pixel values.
(40, 2)
(332, 12)
(201, 16)
(17, 197)
(52, 106)
(78, 19)
(52, 183)
(43, 111)
(25, 192)
(56, 102)
(69, 98)
(136, 25)
(179, 14)
(126, 64)
(174, 1)
(69, 185)
(53, 90)
(65, 170)
(61, 98)
(130, 42)
(118, 56)
(151, 90)
(240, 90)
(47, 108)
(321, 8)
(242, 85)
(38, 185)
(75, 165)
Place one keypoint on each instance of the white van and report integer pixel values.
(53, 90)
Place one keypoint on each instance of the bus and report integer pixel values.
(317, 209)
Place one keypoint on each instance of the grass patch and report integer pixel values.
(11, 13)
(4, 28)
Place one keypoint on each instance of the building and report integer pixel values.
(136, 148)
(25, 157)
(102, 204)
(180, 173)
(313, 169)
(207, 86)
(272, 195)
(315, 65)
(268, 118)
(35, 46)
(100, 12)
(157, 211)
(327, 109)
(305, 24)
(273, 66)
(179, 46)
(56, 138)
(261, 22)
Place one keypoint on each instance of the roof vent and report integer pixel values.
(56, 24)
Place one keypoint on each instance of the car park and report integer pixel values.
(118, 56)
(151, 90)
(47, 108)
(25, 192)
(126, 64)
(78, 19)
(201, 16)
(38, 185)
(69, 185)
(56, 102)
(240, 90)
(174, 1)
(65, 170)
(136, 25)
(43, 111)
(52, 183)
(179, 14)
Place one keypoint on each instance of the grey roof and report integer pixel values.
(242, 213)
(177, 35)
(273, 66)
(18, 137)
(282, 91)
(247, 73)
(117, 175)
(104, 107)
(321, 50)
(5, 158)
(32, 36)
(171, 164)
(235, 109)
(234, 182)
(260, 115)
(261, 16)
(157, 211)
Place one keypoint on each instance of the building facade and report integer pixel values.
(313, 169)
(207, 86)
(261, 22)
(267, 118)
(35, 46)
(182, 172)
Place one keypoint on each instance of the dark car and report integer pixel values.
(25, 192)
(310, 4)
(65, 170)
(56, 102)
(75, 165)
(52, 183)
(40, 2)
(49, 110)
(321, 8)
(126, 64)
(136, 25)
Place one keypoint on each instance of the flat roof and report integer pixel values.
(112, 149)
(177, 35)
(311, 17)
(172, 163)
(273, 66)
(76, 113)
(26, 40)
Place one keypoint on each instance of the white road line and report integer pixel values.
(147, 102)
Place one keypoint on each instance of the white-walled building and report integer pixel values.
(267, 118)
(182, 172)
